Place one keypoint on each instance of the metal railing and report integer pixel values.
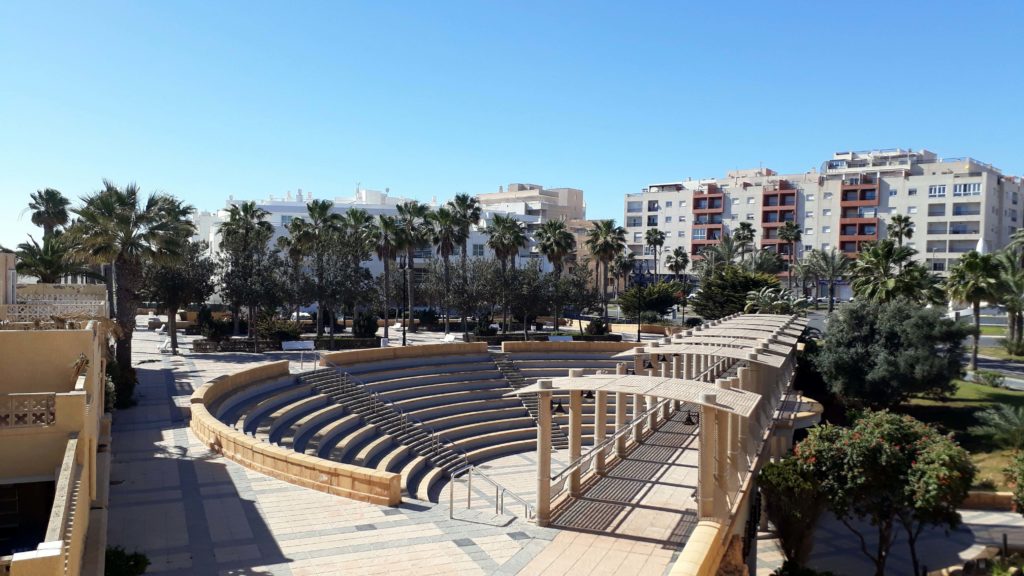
(529, 513)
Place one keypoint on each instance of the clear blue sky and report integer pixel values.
(207, 99)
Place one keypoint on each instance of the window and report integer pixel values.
(750, 217)
(912, 192)
(638, 237)
(810, 197)
(682, 218)
(668, 204)
(634, 206)
(750, 199)
(668, 219)
(652, 220)
(285, 220)
(682, 234)
(826, 246)
(682, 203)
(735, 201)
(478, 250)
(892, 192)
(826, 229)
(826, 212)
(699, 234)
(809, 214)
(937, 191)
(967, 189)
(808, 231)
(828, 195)
(652, 205)
(912, 210)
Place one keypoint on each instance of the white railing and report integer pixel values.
(32, 311)
(28, 410)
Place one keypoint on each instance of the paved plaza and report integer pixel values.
(194, 512)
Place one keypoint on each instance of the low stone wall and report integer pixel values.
(580, 347)
(347, 357)
(355, 482)
(644, 328)
(982, 500)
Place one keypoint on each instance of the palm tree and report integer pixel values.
(766, 261)
(900, 227)
(1011, 295)
(830, 266)
(1003, 424)
(884, 271)
(622, 266)
(323, 225)
(556, 243)
(243, 234)
(293, 248)
(605, 240)
(446, 234)
(773, 301)
(790, 233)
(51, 261)
(677, 261)
(119, 227)
(412, 219)
(49, 210)
(655, 239)
(744, 236)
(974, 278)
(505, 237)
(386, 238)
(467, 209)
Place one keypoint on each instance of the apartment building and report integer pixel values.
(529, 203)
(956, 204)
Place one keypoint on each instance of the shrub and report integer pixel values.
(121, 563)
(597, 327)
(693, 321)
(426, 317)
(793, 503)
(364, 325)
(790, 568)
(989, 378)
(1013, 347)
(123, 380)
(649, 317)
(1014, 473)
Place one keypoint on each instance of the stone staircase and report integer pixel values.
(515, 379)
(346, 391)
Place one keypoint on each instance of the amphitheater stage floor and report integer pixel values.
(193, 512)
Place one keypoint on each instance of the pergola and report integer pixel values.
(736, 372)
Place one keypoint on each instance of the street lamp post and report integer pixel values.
(405, 291)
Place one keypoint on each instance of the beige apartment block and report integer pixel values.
(956, 204)
(535, 200)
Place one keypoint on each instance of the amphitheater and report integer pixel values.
(395, 425)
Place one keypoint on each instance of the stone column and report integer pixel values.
(620, 422)
(600, 421)
(544, 453)
(638, 409)
(575, 437)
(706, 459)
(737, 467)
(677, 373)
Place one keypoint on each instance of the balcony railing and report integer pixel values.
(28, 410)
(42, 311)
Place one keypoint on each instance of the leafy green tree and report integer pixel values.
(578, 292)
(658, 298)
(1010, 290)
(622, 267)
(296, 287)
(51, 261)
(885, 271)
(605, 241)
(974, 278)
(655, 239)
(49, 210)
(531, 291)
(118, 226)
(794, 504)
(1014, 473)
(764, 261)
(725, 291)
(479, 295)
(181, 282)
(878, 354)
(891, 470)
(1002, 424)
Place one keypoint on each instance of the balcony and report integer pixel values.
(964, 230)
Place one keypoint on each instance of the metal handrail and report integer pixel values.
(499, 494)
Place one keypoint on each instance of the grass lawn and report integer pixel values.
(993, 330)
(957, 414)
(996, 352)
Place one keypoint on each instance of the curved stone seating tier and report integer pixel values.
(329, 433)
(498, 386)
(422, 361)
(473, 412)
(465, 408)
(277, 423)
(391, 387)
(253, 413)
(485, 453)
(345, 447)
(374, 377)
(229, 408)
(457, 433)
(300, 431)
